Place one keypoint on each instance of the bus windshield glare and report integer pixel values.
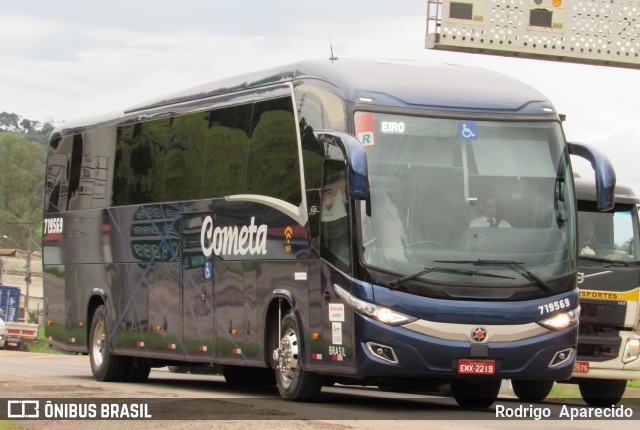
(507, 197)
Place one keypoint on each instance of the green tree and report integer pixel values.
(41, 134)
(28, 125)
(21, 187)
(9, 121)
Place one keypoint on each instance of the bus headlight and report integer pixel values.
(380, 313)
(561, 321)
(631, 350)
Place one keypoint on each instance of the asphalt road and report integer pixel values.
(188, 401)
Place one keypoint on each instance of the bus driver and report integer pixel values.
(489, 215)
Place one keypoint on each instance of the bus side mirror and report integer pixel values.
(356, 159)
(604, 172)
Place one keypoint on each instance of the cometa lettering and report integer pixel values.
(251, 239)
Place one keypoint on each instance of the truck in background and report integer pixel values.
(609, 282)
(2, 329)
(9, 303)
(16, 334)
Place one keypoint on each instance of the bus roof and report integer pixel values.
(393, 83)
(389, 82)
(586, 190)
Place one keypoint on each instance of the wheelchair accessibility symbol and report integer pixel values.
(208, 270)
(468, 130)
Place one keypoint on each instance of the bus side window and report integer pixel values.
(124, 138)
(75, 171)
(56, 178)
(184, 161)
(335, 235)
(148, 145)
(227, 149)
(273, 167)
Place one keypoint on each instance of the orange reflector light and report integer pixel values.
(556, 3)
(49, 323)
(158, 327)
(81, 324)
(234, 331)
(316, 336)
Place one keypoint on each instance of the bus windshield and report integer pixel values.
(452, 194)
(610, 236)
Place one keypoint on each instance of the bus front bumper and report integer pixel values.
(449, 351)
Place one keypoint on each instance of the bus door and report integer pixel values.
(335, 250)
(198, 285)
(156, 275)
(234, 284)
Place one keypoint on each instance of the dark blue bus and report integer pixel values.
(325, 222)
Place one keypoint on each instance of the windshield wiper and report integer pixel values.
(426, 270)
(513, 265)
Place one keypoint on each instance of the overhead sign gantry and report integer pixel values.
(603, 32)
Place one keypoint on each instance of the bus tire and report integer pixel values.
(602, 392)
(531, 391)
(475, 394)
(294, 383)
(106, 367)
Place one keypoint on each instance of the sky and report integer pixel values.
(69, 59)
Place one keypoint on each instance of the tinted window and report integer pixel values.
(185, 157)
(66, 186)
(75, 172)
(57, 181)
(251, 148)
(122, 163)
(225, 161)
(334, 216)
(273, 164)
(318, 109)
(148, 151)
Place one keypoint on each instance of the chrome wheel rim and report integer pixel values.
(97, 351)
(288, 357)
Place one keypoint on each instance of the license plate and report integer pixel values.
(581, 367)
(477, 367)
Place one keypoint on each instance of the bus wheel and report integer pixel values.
(106, 367)
(531, 391)
(602, 392)
(294, 383)
(475, 394)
